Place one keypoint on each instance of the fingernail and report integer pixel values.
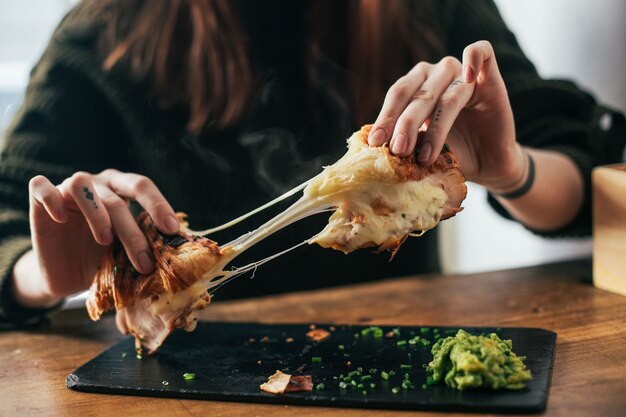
(171, 224)
(425, 150)
(377, 138)
(107, 236)
(469, 74)
(145, 262)
(400, 142)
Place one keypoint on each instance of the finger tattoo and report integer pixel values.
(89, 195)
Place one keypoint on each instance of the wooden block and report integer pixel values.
(609, 228)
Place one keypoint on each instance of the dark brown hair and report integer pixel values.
(194, 53)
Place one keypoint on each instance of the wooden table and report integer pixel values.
(589, 377)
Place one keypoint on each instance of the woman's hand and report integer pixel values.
(72, 225)
(464, 104)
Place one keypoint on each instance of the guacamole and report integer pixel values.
(467, 361)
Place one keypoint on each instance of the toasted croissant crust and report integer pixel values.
(445, 170)
(181, 260)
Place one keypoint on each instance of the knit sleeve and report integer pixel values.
(549, 114)
(65, 124)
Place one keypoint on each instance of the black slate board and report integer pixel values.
(224, 357)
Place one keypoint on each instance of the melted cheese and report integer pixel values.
(371, 215)
(372, 207)
(360, 165)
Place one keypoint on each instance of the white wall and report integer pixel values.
(25, 27)
(582, 40)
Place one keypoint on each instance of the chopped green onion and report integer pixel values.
(359, 370)
(189, 376)
(316, 359)
(396, 332)
(375, 331)
(424, 386)
(346, 355)
(320, 386)
(343, 385)
(372, 385)
(395, 390)
(124, 354)
(360, 386)
(373, 371)
(424, 330)
(341, 347)
(364, 392)
(407, 384)
(392, 373)
(139, 356)
(430, 381)
(384, 375)
(347, 379)
(405, 366)
(366, 378)
(353, 383)
(401, 342)
(446, 147)
(353, 373)
(165, 383)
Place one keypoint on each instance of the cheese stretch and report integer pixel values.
(377, 201)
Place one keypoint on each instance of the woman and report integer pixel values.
(213, 107)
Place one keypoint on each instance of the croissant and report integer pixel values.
(181, 260)
(378, 200)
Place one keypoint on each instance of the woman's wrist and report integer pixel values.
(515, 175)
(28, 288)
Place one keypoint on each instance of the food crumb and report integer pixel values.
(318, 335)
(289, 340)
(259, 362)
(165, 383)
